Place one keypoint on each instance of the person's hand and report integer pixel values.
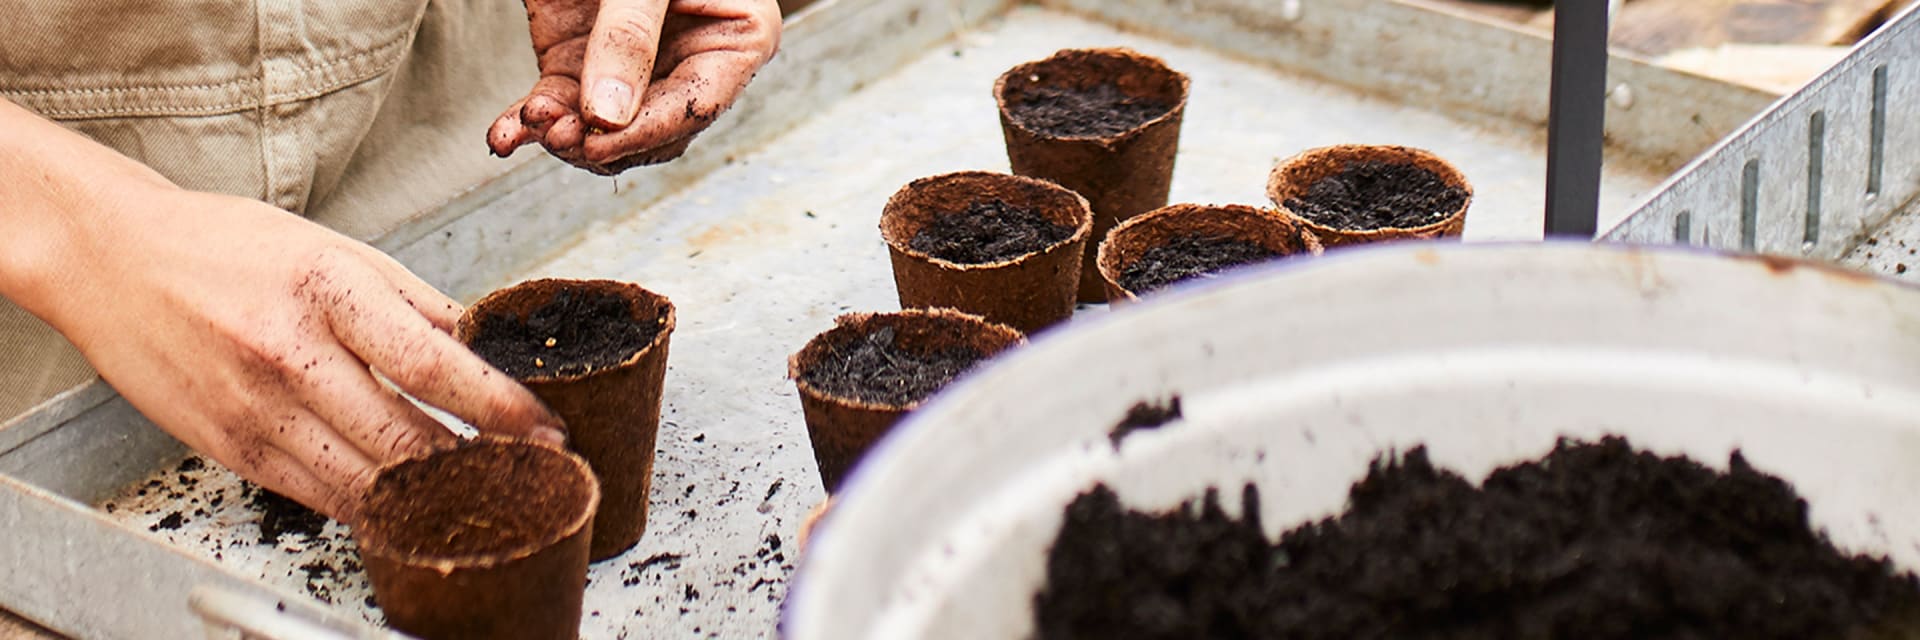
(249, 333)
(625, 83)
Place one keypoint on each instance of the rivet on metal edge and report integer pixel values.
(1290, 10)
(1621, 96)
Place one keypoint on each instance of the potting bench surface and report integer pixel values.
(765, 251)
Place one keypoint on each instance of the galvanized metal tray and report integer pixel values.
(766, 232)
(1831, 172)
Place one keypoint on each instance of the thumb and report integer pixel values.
(620, 55)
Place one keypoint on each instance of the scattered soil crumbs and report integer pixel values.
(1098, 111)
(874, 368)
(472, 500)
(1145, 416)
(1594, 541)
(575, 333)
(1190, 256)
(987, 232)
(280, 515)
(1379, 195)
(169, 522)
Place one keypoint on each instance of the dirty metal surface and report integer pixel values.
(760, 247)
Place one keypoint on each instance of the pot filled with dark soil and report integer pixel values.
(485, 540)
(860, 377)
(1595, 540)
(1355, 194)
(1186, 241)
(1104, 123)
(1004, 247)
(595, 351)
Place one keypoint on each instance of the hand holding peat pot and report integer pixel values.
(1357, 194)
(1185, 241)
(1004, 247)
(595, 351)
(1104, 123)
(859, 378)
(485, 540)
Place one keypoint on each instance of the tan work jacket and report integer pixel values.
(360, 114)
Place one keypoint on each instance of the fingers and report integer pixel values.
(439, 310)
(330, 480)
(379, 424)
(552, 97)
(619, 59)
(378, 327)
(507, 132)
(678, 106)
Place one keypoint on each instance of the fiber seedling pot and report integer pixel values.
(1295, 177)
(485, 540)
(1029, 291)
(842, 426)
(1142, 235)
(611, 407)
(1122, 160)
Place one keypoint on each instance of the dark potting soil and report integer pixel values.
(1595, 541)
(473, 500)
(575, 333)
(1187, 257)
(987, 232)
(1094, 112)
(875, 368)
(1144, 415)
(280, 515)
(1379, 195)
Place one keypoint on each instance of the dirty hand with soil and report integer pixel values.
(625, 83)
(249, 333)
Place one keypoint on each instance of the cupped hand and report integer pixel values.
(254, 336)
(625, 83)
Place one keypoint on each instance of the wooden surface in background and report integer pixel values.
(1658, 27)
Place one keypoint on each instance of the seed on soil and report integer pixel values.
(876, 368)
(575, 333)
(986, 232)
(1379, 195)
(1096, 111)
(1596, 540)
(1188, 257)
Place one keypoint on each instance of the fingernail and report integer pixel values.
(612, 102)
(551, 436)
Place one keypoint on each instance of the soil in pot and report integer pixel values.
(576, 332)
(1378, 195)
(1597, 540)
(485, 540)
(455, 509)
(988, 231)
(876, 369)
(1092, 111)
(1190, 256)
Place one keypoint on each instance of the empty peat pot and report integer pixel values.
(1007, 248)
(860, 377)
(1186, 241)
(595, 351)
(485, 540)
(1356, 194)
(1104, 123)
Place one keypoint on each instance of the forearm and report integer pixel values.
(60, 194)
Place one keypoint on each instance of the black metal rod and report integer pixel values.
(1576, 120)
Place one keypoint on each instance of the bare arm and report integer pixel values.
(247, 332)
